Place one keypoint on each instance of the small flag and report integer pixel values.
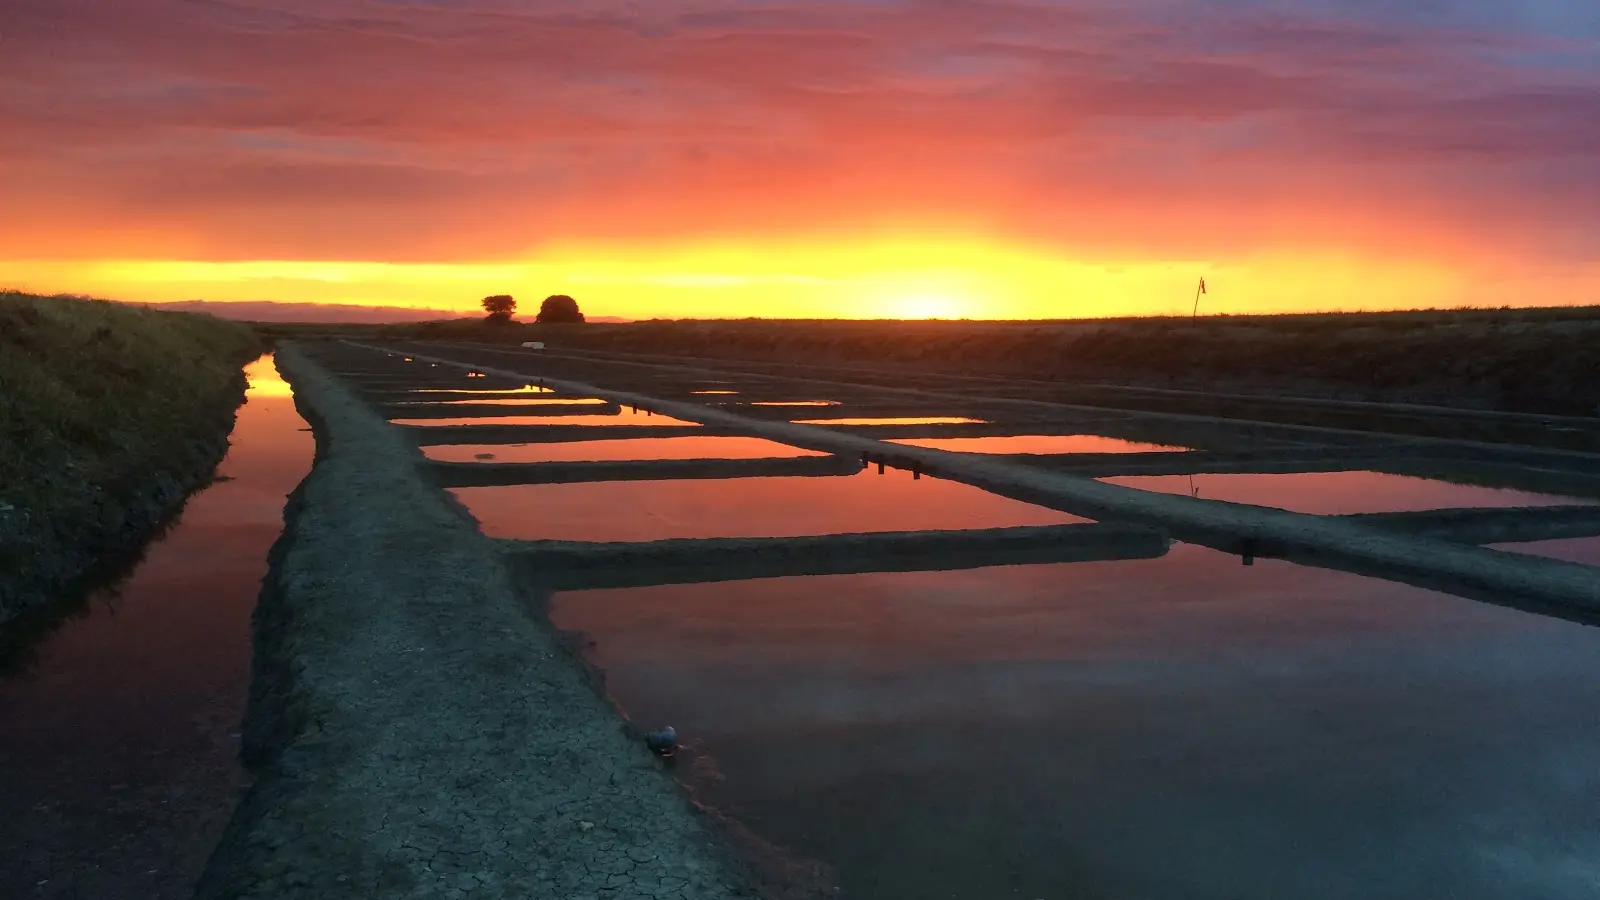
(1202, 285)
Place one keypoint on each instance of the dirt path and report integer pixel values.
(415, 732)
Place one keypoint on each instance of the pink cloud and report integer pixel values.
(357, 128)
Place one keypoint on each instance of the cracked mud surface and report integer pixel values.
(416, 733)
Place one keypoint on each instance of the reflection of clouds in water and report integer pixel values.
(1338, 493)
(794, 403)
(508, 401)
(138, 691)
(624, 417)
(1585, 551)
(264, 380)
(687, 447)
(767, 506)
(1260, 732)
(894, 420)
(1036, 443)
(489, 392)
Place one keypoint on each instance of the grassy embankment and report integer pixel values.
(109, 416)
(1527, 360)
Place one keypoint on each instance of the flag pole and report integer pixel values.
(1199, 289)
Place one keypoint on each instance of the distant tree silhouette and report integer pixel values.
(500, 307)
(558, 309)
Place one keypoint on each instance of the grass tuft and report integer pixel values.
(94, 393)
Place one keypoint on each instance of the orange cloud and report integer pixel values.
(1096, 133)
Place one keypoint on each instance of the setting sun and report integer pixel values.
(924, 307)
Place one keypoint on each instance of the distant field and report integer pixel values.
(1535, 360)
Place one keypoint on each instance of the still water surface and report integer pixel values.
(1337, 493)
(743, 507)
(625, 417)
(893, 420)
(1179, 728)
(1579, 550)
(626, 449)
(118, 756)
(508, 401)
(1036, 443)
(488, 392)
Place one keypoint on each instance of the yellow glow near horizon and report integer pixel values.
(263, 379)
(925, 307)
(903, 278)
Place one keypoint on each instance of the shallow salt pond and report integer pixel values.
(793, 403)
(625, 417)
(1337, 493)
(743, 507)
(1172, 728)
(626, 449)
(894, 420)
(1036, 443)
(1584, 550)
(508, 401)
(527, 389)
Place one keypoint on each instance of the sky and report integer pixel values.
(850, 158)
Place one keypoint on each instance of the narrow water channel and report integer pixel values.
(118, 741)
